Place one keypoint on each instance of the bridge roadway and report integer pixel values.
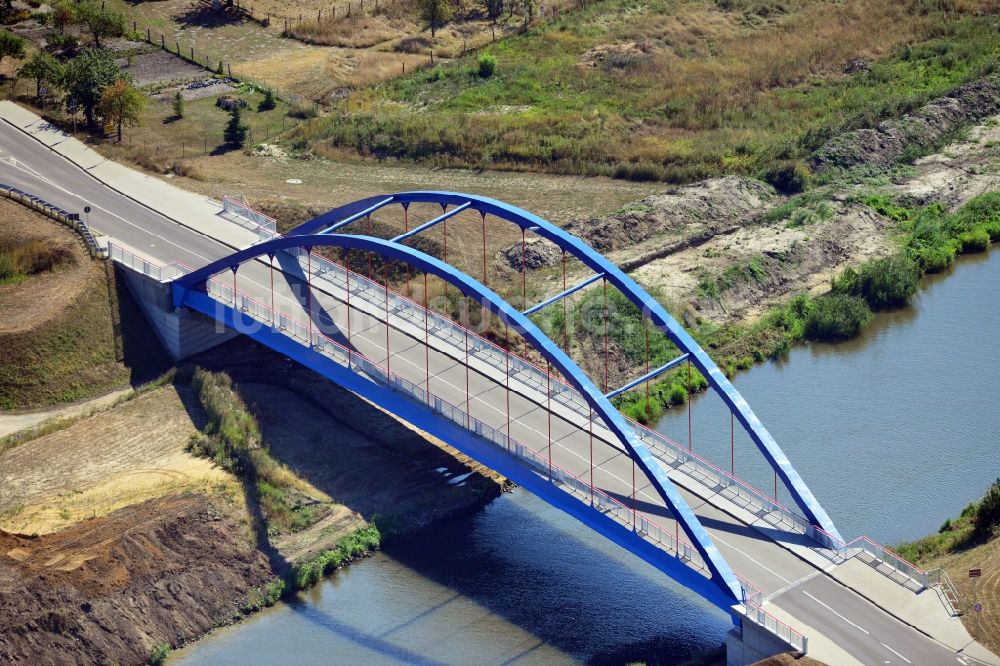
(843, 627)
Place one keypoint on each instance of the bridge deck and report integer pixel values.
(842, 626)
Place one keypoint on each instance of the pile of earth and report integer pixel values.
(109, 590)
(890, 141)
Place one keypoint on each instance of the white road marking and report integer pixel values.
(896, 653)
(716, 537)
(962, 661)
(27, 169)
(839, 615)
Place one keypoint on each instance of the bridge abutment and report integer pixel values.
(749, 642)
(182, 332)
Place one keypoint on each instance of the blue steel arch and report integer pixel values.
(656, 313)
(722, 575)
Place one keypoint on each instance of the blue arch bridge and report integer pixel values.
(550, 429)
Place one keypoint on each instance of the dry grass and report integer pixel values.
(124, 456)
(64, 334)
(984, 626)
(713, 91)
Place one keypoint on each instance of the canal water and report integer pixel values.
(893, 433)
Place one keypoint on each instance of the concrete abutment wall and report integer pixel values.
(750, 643)
(182, 333)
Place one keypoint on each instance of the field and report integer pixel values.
(673, 91)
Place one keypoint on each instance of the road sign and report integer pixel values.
(975, 573)
(978, 608)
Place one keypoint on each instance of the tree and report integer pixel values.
(268, 102)
(100, 22)
(43, 68)
(235, 133)
(87, 75)
(62, 15)
(528, 7)
(10, 45)
(494, 8)
(121, 103)
(179, 105)
(435, 12)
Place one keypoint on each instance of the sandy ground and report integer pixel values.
(963, 170)
(126, 455)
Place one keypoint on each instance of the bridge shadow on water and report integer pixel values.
(525, 563)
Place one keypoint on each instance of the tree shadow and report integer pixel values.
(203, 16)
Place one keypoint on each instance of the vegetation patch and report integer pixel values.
(716, 91)
(232, 440)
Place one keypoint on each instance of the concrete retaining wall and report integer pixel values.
(750, 643)
(182, 333)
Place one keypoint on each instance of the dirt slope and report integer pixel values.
(116, 458)
(110, 589)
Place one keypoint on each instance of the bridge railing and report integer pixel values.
(668, 451)
(671, 543)
(357, 362)
(237, 211)
(453, 333)
(146, 266)
(886, 557)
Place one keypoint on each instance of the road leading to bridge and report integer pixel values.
(842, 626)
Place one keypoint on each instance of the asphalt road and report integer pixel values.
(863, 630)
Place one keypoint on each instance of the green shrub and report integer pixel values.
(986, 519)
(788, 176)
(303, 110)
(159, 654)
(487, 65)
(836, 317)
(883, 283)
(62, 40)
(977, 240)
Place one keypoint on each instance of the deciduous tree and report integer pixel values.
(121, 103)
(99, 21)
(435, 12)
(43, 68)
(11, 45)
(87, 75)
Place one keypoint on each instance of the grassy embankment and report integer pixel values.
(967, 542)
(67, 331)
(671, 91)
(930, 239)
(232, 439)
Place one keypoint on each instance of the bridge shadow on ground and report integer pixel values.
(386, 473)
(371, 465)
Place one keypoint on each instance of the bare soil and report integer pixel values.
(113, 459)
(110, 589)
(889, 142)
(160, 67)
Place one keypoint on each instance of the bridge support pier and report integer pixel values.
(748, 642)
(182, 332)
